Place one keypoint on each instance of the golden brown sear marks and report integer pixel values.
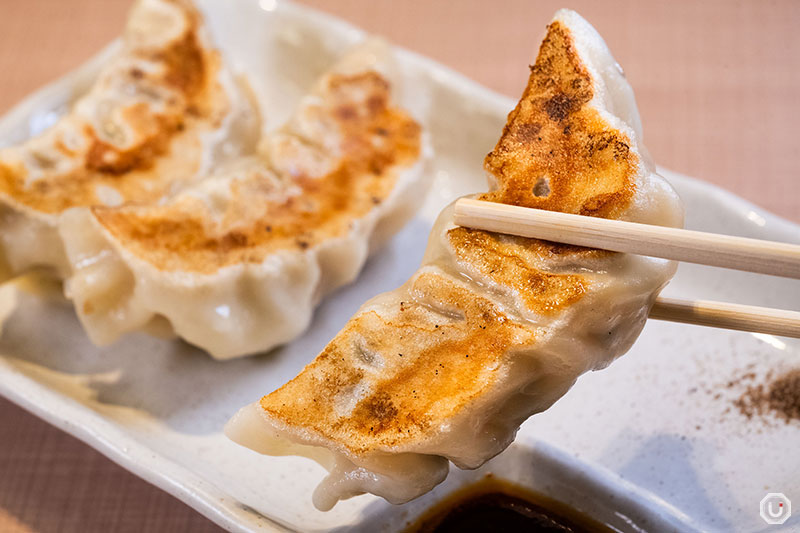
(509, 263)
(556, 153)
(135, 171)
(386, 380)
(375, 139)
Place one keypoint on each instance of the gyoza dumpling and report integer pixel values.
(492, 328)
(236, 263)
(161, 112)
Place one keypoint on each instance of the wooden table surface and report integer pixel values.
(717, 84)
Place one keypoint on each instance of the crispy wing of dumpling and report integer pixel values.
(492, 328)
(159, 113)
(236, 264)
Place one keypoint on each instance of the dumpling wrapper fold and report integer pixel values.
(492, 328)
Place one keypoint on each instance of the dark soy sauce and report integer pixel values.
(494, 505)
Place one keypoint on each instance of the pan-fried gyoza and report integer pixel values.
(492, 328)
(236, 263)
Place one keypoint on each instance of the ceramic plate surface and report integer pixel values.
(653, 442)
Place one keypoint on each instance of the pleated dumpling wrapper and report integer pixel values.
(163, 110)
(236, 263)
(492, 328)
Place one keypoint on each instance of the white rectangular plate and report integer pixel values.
(649, 429)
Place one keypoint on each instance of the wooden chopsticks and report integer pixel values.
(728, 316)
(740, 253)
(752, 255)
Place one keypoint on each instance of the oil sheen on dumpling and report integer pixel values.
(161, 111)
(236, 263)
(492, 328)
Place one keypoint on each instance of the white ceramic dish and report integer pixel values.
(645, 444)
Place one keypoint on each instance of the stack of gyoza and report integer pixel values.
(152, 201)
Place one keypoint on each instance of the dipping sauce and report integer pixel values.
(495, 505)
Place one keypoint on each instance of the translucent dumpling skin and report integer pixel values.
(492, 328)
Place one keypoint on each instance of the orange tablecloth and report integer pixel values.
(717, 84)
